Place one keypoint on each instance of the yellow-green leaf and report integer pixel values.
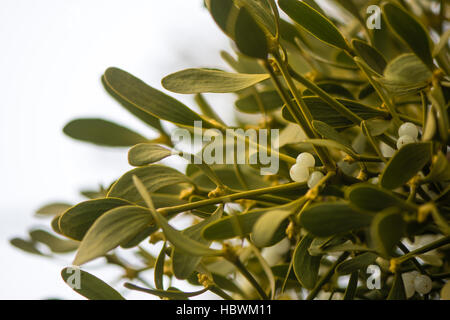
(146, 153)
(405, 164)
(327, 219)
(102, 132)
(113, 228)
(306, 267)
(411, 31)
(150, 100)
(76, 221)
(313, 22)
(210, 80)
(89, 286)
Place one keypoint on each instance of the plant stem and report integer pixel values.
(327, 276)
(387, 101)
(322, 153)
(336, 105)
(229, 198)
(431, 246)
(243, 270)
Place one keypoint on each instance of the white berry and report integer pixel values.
(314, 179)
(306, 159)
(408, 281)
(423, 284)
(408, 129)
(299, 173)
(404, 140)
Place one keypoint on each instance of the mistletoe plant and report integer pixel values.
(362, 107)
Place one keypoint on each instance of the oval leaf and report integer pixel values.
(154, 177)
(267, 225)
(150, 100)
(373, 198)
(146, 153)
(88, 285)
(411, 31)
(249, 37)
(209, 80)
(115, 227)
(313, 22)
(306, 267)
(405, 164)
(327, 219)
(359, 262)
(387, 229)
(76, 221)
(102, 132)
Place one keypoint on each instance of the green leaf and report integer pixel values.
(313, 22)
(405, 164)
(398, 289)
(102, 132)
(184, 265)
(210, 80)
(91, 287)
(249, 104)
(76, 221)
(440, 170)
(327, 219)
(28, 246)
(267, 225)
(376, 127)
(179, 240)
(56, 245)
(113, 228)
(225, 228)
(154, 177)
(331, 88)
(330, 133)
(224, 13)
(249, 37)
(322, 111)
(352, 286)
(388, 227)
(306, 267)
(159, 268)
(411, 31)
(150, 100)
(260, 11)
(373, 198)
(138, 113)
(170, 294)
(370, 55)
(406, 74)
(147, 153)
(53, 209)
(358, 263)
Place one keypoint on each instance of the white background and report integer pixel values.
(52, 54)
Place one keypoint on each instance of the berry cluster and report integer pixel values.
(407, 133)
(416, 282)
(300, 172)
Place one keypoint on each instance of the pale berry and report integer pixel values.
(306, 159)
(299, 173)
(408, 129)
(404, 140)
(408, 282)
(314, 179)
(422, 284)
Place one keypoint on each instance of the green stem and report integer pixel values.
(431, 246)
(243, 270)
(336, 105)
(327, 276)
(229, 198)
(322, 153)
